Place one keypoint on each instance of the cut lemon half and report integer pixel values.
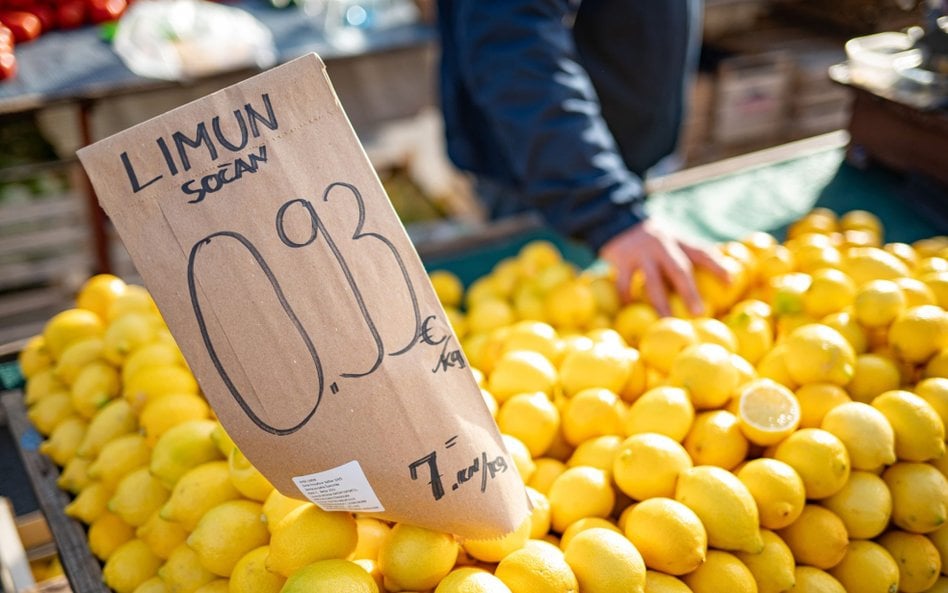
(768, 412)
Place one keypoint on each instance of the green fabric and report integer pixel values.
(10, 376)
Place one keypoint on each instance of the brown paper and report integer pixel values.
(265, 237)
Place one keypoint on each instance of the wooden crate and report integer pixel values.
(752, 98)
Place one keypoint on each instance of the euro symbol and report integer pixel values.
(426, 335)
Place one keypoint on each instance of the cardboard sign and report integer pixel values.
(265, 237)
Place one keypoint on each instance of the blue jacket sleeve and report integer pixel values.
(518, 60)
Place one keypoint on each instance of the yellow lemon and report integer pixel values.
(773, 567)
(916, 292)
(818, 353)
(776, 488)
(99, 292)
(138, 496)
(648, 465)
(183, 571)
(42, 384)
(49, 412)
(170, 410)
(865, 264)
(724, 505)
(938, 365)
(816, 399)
(767, 411)
(878, 303)
(91, 503)
(571, 304)
(917, 559)
(65, 439)
(818, 537)
(813, 255)
(521, 371)
(227, 532)
(107, 533)
(633, 320)
(716, 439)
(582, 525)
(95, 385)
(668, 534)
(537, 569)
(819, 457)
(197, 491)
(664, 339)
(471, 580)
(151, 382)
(416, 558)
(919, 431)
(532, 418)
(126, 333)
(489, 314)
(868, 567)
(520, 455)
(872, 375)
(706, 372)
(75, 476)
(535, 336)
(715, 331)
(130, 565)
(846, 324)
(580, 492)
(447, 286)
(935, 391)
(277, 506)
(866, 433)
(721, 571)
(773, 365)
(659, 582)
(537, 255)
(292, 545)
(939, 537)
(830, 290)
(591, 413)
(370, 533)
(161, 536)
(541, 514)
(864, 504)
(917, 334)
(546, 471)
(919, 496)
(250, 574)
(604, 366)
(114, 420)
(34, 357)
(861, 220)
(156, 353)
(753, 333)
(496, 549)
(70, 326)
(810, 579)
(666, 410)
(215, 586)
(134, 299)
(76, 356)
(181, 448)
(605, 561)
(937, 282)
(118, 458)
(222, 440)
(598, 452)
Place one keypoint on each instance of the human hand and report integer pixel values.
(662, 257)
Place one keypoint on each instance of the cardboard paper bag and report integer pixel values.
(265, 237)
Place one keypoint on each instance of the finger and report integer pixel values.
(678, 268)
(655, 287)
(624, 271)
(709, 259)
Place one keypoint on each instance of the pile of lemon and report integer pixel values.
(792, 439)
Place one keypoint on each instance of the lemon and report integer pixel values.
(75, 476)
(416, 558)
(937, 282)
(916, 292)
(604, 366)
(532, 418)
(774, 262)
(521, 371)
(636, 385)
(917, 559)
(447, 287)
(181, 448)
(599, 452)
(152, 585)
(919, 430)
(546, 471)
(537, 569)
(571, 304)
(471, 580)
(151, 382)
(724, 505)
(648, 465)
(134, 299)
(633, 320)
(156, 353)
(865, 264)
(776, 488)
(118, 458)
(50, 411)
(276, 506)
(767, 411)
(605, 561)
(659, 582)
(772, 568)
(919, 496)
(935, 391)
(126, 333)
(813, 256)
(535, 336)
(99, 292)
(114, 420)
(592, 412)
(293, 546)
(721, 571)
(183, 571)
(520, 455)
(495, 549)
(528, 303)
(70, 326)
(487, 314)
(44, 383)
(773, 365)
(938, 365)
(64, 440)
(250, 574)
(939, 537)
(215, 586)
(753, 333)
(706, 372)
(34, 357)
(719, 295)
(76, 356)
(137, 496)
(161, 536)
(818, 353)
(866, 433)
(580, 492)
(816, 399)
(668, 534)
(818, 537)
(107, 533)
(666, 410)
(582, 525)
(867, 567)
(170, 410)
(873, 374)
(95, 385)
(878, 303)
(810, 579)
(222, 440)
(864, 504)
(130, 565)
(830, 290)
(861, 220)
(664, 339)
(819, 457)
(227, 532)
(716, 439)
(541, 513)
(917, 334)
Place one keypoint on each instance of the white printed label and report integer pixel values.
(343, 488)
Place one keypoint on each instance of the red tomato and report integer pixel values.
(71, 14)
(25, 26)
(7, 65)
(101, 11)
(6, 39)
